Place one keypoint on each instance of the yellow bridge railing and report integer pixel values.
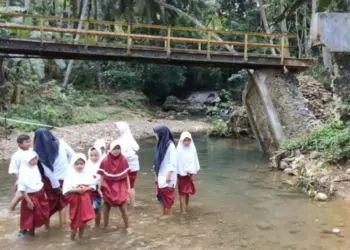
(130, 36)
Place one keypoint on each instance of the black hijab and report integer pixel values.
(164, 139)
(46, 146)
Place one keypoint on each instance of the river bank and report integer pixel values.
(82, 136)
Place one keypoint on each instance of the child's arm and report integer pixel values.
(128, 182)
(99, 187)
(172, 162)
(14, 165)
(76, 190)
(28, 200)
(22, 188)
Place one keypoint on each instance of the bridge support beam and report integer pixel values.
(275, 108)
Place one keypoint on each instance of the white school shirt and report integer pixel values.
(61, 164)
(132, 159)
(15, 162)
(33, 174)
(168, 164)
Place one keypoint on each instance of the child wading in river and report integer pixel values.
(35, 209)
(188, 166)
(165, 168)
(24, 143)
(93, 164)
(77, 187)
(129, 151)
(115, 183)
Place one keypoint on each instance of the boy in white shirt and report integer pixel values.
(24, 143)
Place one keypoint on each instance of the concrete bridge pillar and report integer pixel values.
(327, 30)
(275, 108)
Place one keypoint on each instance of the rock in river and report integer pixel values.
(174, 104)
(321, 197)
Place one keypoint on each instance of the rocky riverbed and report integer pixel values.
(83, 136)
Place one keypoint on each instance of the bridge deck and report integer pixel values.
(136, 47)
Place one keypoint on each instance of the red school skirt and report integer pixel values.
(185, 185)
(132, 178)
(80, 209)
(56, 200)
(37, 217)
(166, 195)
(115, 193)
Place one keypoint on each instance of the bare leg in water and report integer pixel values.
(97, 217)
(132, 201)
(183, 204)
(16, 199)
(62, 214)
(73, 234)
(81, 232)
(167, 212)
(187, 199)
(125, 216)
(106, 210)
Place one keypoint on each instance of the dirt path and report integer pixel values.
(80, 137)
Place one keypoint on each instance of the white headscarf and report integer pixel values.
(126, 139)
(129, 146)
(74, 178)
(93, 167)
(188, 162)
(30, 175)
(101, 144)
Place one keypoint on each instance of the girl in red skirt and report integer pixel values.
(77, 187)
(165, 168)
(115, 183)
(35, 206)
(129, 151)
(188, 166)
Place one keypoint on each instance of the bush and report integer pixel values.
(45, 103)
(331, 139)
(218, 128)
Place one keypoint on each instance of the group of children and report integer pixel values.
(52, 176)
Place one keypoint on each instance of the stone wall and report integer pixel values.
(341, 83)
(277, 109)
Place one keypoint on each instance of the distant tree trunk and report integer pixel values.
(194, 20)
(265, 23)
(100, 81)
(309, 42)
(8, 3)
(305, 36)
(27, 4)
(3, 90)
(284, 31)
(80, 26)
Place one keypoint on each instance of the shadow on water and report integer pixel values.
(240, 204)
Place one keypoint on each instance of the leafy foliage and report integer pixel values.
(332, 140)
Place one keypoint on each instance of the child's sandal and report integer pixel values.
(20, 234)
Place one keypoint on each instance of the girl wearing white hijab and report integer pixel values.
(35, 209)
(77, 187)
(101, 145)
(93, 164)
(188, 166)
(129, 149)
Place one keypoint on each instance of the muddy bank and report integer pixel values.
(80, 137)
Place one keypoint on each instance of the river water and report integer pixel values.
(240, 204)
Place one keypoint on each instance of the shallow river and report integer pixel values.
(240, 204)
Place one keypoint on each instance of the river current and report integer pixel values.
(240, 204)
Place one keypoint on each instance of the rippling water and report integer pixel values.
(240, 204)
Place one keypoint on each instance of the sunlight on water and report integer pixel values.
(240, 204)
